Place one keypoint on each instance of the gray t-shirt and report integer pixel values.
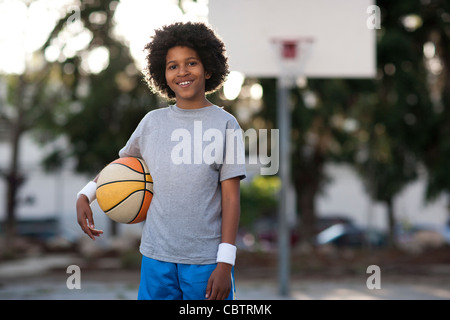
(188, 153)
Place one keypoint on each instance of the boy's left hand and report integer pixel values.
(219, 283)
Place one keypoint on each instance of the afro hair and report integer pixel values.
(196, 36)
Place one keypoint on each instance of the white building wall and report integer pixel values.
(346, 195)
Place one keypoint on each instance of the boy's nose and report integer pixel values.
(182, 71)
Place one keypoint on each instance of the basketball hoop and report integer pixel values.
(289, 49)
(291, 55)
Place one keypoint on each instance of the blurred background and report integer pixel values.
(370, 157)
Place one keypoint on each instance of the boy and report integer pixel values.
(190, 231)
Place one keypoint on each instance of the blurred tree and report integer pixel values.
(322, 127)
(389, 126)
(104, 106)
(432, 39)
(404, 126)
(25, 96)
(387, 160)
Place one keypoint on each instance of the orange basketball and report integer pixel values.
(125, 190)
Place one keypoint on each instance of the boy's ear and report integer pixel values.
(208, 75)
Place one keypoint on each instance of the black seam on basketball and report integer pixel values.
(142, 166)
(127, 181)
(125, 165)
(115, 181)
(143, 198)
(144, 171)
(126, 199)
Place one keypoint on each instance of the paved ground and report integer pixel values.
(30, 279)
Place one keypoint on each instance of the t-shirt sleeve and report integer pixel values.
(132, 147)
(234, 153)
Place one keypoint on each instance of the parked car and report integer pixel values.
(336, 229)
(419, 237)
(346, 233)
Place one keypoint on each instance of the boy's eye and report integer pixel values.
(189, 64)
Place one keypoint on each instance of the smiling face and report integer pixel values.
(186, 77)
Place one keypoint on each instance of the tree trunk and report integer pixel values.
(307, 181)
(306, 205)
(391, 224)
(13, 177)
(13, 182)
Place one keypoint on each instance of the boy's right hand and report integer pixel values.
(85, 218)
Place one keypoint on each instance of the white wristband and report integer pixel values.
(226, 253)
(89, 191)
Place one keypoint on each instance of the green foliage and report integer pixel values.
(411, 117)
(100, 111)
(259, 199)
(387, 127)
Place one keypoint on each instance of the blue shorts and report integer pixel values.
(175, 281)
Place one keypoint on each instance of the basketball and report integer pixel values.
(125, 190)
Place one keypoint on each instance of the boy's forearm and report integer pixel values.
(230, 209)
(230, 223)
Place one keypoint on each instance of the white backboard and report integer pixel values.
(344, 46)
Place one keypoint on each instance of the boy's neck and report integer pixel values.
(187, 104)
